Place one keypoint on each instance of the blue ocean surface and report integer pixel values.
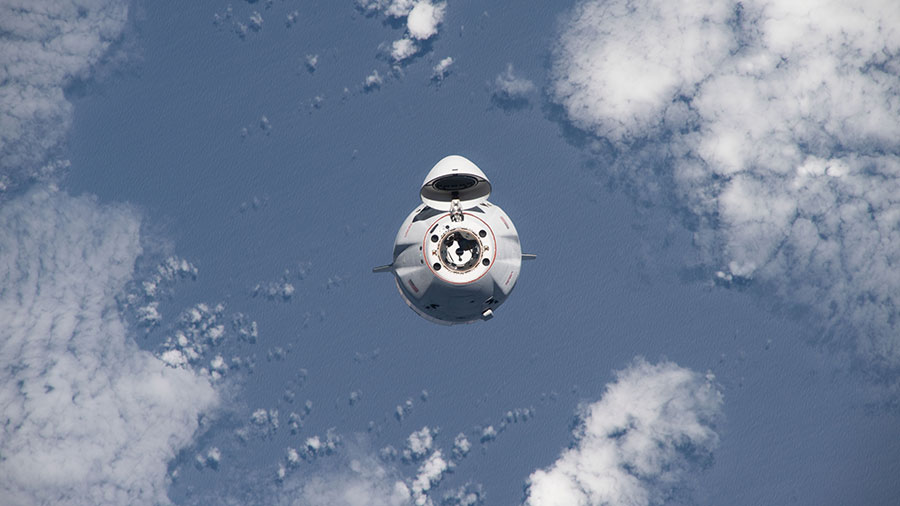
(264, 170)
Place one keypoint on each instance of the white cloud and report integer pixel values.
(489, 433)
(364, 482)
(402, 49)
(619, 64)
(442, 68)
(312, 62)
(510, 88)
(424, 18)
(316, 447)
(464, 495)
(391, 8)
(461, 446)
(89, 418)
(292, 18)
(781, 126)
(275, 290)
(45, 45)
(399, 8)
(170, 270)
(373, 80)
(637, 442)
(418, 444)
(256, 21)
(198, 331)
(430, 474)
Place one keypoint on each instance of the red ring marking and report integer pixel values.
(425, 244)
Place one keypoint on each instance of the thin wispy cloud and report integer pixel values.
(775, 124)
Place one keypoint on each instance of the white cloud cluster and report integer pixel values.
(318, 447)
(778, 123)
(422, 20)
(418, 444)
(430, 473)
(432, 464)
(89, 418)
(403, 409)
(254, 21)
(199, 331)
(210, 459)
(267, 420)
(282, 290)
(45, 45)
(170, 270)
(488, 433)
(364, 479)
(144, 297)
(246, 329)
(637, 442)
(464, 495)
(461, 446)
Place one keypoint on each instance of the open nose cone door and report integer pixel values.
(455, 177)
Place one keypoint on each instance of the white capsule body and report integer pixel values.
(452, 271)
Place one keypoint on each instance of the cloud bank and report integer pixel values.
(775, 123)
(633, 446)
(44, 46)
(88, 418)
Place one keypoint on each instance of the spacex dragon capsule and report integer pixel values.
(457, 256)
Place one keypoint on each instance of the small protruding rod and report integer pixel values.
(383, 268)
(456, 213)
(528, 256)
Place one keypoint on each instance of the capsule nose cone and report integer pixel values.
(455, 177)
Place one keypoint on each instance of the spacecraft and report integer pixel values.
(457, 256)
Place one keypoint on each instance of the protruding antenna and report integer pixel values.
(528, 256)
(383, 268)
